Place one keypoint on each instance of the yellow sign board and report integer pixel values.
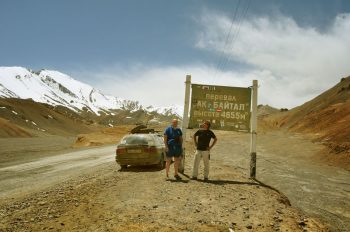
(227, 108)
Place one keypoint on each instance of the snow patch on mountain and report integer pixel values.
(169, 110)
(56, 88)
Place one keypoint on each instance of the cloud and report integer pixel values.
(295, 63)
(292, 64)
(158, 86)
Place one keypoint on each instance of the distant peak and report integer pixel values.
(56, 88)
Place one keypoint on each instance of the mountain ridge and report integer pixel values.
(56, 88)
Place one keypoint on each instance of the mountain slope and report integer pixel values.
(9, 129)
(328, 114)
(26, 118)
(326, 117)
(56, 88)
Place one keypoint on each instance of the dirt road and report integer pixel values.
(21, 150)
(88, 193)
(287, 162)
(319, 190)
(19, 179)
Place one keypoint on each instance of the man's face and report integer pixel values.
(174, 123)
(205, 126)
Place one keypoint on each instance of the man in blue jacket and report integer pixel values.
(173, 147)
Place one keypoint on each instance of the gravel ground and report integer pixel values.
(141, 199)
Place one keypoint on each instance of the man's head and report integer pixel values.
(206, 124)
(174, 122)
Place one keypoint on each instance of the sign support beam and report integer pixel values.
(186, 106)
(185, 120)
(253, 129)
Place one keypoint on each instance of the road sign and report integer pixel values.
(227, 108)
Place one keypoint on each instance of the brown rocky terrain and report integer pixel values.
(325, 118)
(24, 117)
(110, 135)
(102, 137)
(38, 119)
(9, 129)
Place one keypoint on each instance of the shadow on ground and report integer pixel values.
(141, 169)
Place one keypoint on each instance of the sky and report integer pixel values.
(143, 50)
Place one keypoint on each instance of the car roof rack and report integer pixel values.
(142, 129)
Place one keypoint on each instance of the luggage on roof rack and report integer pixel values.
(142, 129)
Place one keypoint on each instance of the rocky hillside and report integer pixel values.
(264, 110)
(327, 117)
(9, 129)
(27, 118)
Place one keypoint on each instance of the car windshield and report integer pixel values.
(135, 139)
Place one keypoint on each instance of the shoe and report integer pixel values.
(177, 177)
(206, 179)
(194, 178)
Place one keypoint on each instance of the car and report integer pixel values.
(141, 149)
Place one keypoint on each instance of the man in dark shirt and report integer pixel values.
(202, 142)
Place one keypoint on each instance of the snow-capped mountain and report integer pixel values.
(167, 111)
(56, 88)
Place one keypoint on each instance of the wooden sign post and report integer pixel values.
(253, 129)
(185, 120)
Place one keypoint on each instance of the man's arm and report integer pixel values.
(166, 142)
(180, 137)
(195, 141)
(212, 145)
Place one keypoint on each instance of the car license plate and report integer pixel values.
(134, 150)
